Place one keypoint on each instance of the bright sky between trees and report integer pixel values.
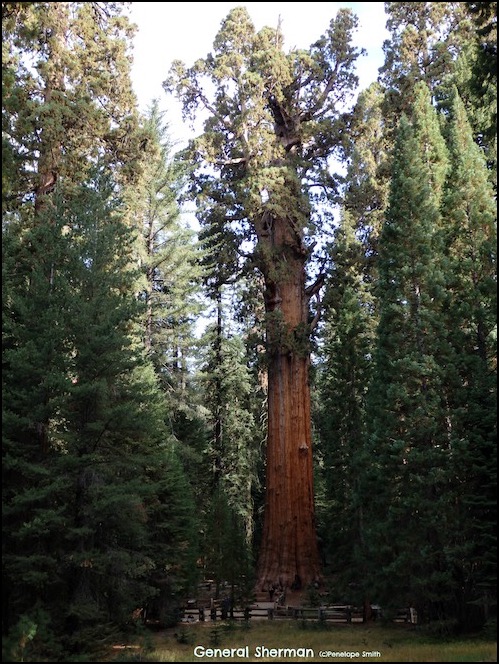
(185, 31)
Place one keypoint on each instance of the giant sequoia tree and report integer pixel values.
(273, 121)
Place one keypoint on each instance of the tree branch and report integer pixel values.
(311, 112)
(230, 162)
(314, 288)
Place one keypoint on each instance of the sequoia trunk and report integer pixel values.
(289, 549)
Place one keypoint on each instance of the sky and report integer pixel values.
(169, 31)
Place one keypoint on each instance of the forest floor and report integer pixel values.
(288, 641)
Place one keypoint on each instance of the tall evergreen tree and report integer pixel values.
(471, 236)
(249, 315)
(169, 254)
(344, 375)
(409, 441)
(77, 491)
(170, 257)
(83, 417)
(274, 120)
(227, 381)
(234, 445)
(425, 40)
(65, 109)
(227, 552)
(444, 44)
(368, 173)
(475, 77)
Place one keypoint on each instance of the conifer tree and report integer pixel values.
(169, 254)
(368, 173)
(84, 420)
(409, 450)
(343, 378)
(78, 539)
(67, 109)
(274, 120)
(471, 236)
(425, 40)
(170, 257)
(475, 77)
(234, 445)
(226, 377)
(227, 552)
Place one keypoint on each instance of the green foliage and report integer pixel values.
(274, 121)
(284, 339)
(99, 515)
(470, 214)
(425, 40)
(418, 443)
(31, 638)
(169, 258)
(233, 449)
(109, 450)
(343, 376)
(263, 158)
(183, 636)
(407, 482)
(82, 481)
(477, 78)
(24, 632)
(368, 175)
(86, 110)
(216, 636)
(227, 551)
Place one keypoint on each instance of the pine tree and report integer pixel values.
(79, 542)
(347, 338)
(475, 77)
(344, 375)
(226, 378)
(471, 235)
(169, 255)
(346, 345)
(368, 174)
(234, 445)
(34, 380)
(84, 421)
(173, 524)
(484, 68)
(249, 316)
(228, 554)
(408, 481)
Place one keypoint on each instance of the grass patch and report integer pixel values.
(371, 642)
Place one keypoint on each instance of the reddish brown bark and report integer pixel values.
(289, 542)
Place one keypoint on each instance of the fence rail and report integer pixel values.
(339, 613)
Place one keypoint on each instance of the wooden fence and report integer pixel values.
(338, 613)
